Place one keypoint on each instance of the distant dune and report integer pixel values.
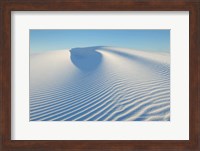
(100, 84)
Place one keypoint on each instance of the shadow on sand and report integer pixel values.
(86, 59)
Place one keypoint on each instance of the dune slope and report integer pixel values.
(100, 84)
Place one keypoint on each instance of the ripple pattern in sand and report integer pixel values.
(100, 84)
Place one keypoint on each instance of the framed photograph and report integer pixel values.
(93, 75)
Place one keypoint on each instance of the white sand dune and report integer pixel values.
(100, 84)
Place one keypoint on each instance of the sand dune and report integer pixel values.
(100, 84)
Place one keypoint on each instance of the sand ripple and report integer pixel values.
(100, 84)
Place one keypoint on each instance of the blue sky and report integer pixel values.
(148, 40)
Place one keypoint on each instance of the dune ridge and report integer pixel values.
(100, 84)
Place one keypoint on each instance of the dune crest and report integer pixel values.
(86, 59)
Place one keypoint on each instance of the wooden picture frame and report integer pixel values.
(193, 6)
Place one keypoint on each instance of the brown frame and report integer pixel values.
(6, 6)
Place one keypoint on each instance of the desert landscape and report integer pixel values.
(100, 83)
